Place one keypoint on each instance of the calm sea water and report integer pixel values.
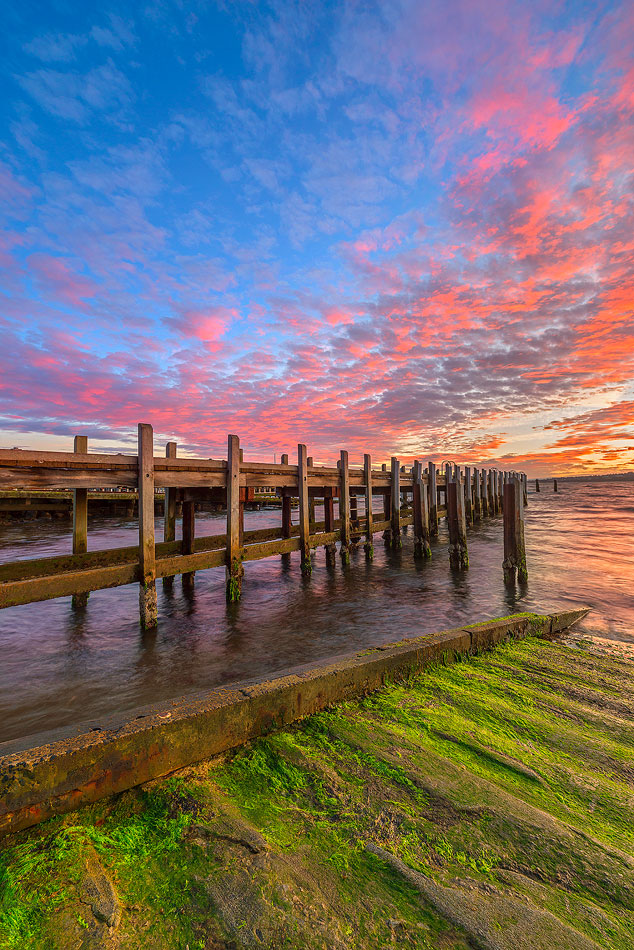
(59, 666)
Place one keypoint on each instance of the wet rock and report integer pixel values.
(97, 891)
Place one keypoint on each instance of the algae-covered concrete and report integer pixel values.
(58, 772)
(485, 804)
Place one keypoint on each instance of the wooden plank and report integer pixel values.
(304, 510)
(14, 593)
(367, 469)
(28, 458)
(147, 555)
(80, 520)
(254, 552)
(235, 570)
(189, 563)
(344, 507)
(60, 478)
(397, 541)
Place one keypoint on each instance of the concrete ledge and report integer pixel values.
(41, 776)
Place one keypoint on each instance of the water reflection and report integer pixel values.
(62, 665)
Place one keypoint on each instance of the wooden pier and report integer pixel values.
(418, 496)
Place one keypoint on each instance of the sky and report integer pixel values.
(403, 228)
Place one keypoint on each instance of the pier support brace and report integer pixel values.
(514, 548)
(147, 555)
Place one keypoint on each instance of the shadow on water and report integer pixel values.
(62, 665)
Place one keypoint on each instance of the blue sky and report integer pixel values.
(402, 227)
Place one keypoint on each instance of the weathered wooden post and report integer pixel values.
(555, 485)
(344, 507)
(169, 514)
(514, 548)
(432, 494)
(354, 521)
(234, 568)
(484, 500)
(189, 533)
(500, 489)
(491, 492)
(329, 525)
(477, 505)
(147, 553)
(422, 547)
(80, 519)
(311, 498)
(456, 521)
(467, 494)
(286, 508)
(304, 511)
(368, 547)
(387, 510)
(525, 488)
(537, 488)
(397, 541)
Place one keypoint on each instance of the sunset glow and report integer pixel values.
(400, 227)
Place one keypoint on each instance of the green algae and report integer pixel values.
(485, 803)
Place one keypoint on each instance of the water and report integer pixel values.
(59, 667)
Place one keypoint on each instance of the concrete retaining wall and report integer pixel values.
(54, 773)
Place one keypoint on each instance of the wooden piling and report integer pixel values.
(555, 485)
(329, 525)
(147, 556)
(456, 521)
(422, 546)
(467, 495)
(432, 494)
(355, 537)
(368, 547)
(169, 514)
(514, 547)
(537, 488)
(80, 519)
(304, 511)
(397, 541)
(234, 568)
(524, 478)
(477, 502)
(484, 493)
(344, 507)
(387, 510)
(189, 532)
(491, 492)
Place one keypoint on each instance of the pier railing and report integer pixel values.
(418, 496)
